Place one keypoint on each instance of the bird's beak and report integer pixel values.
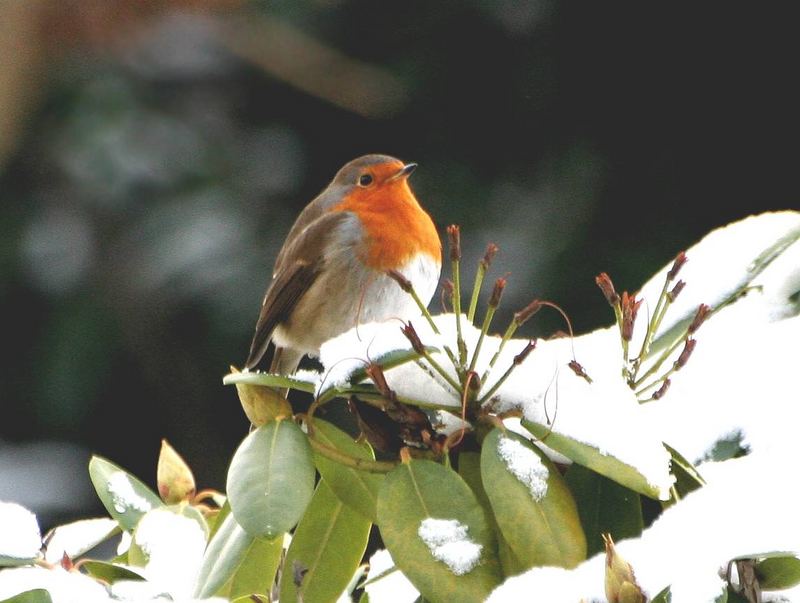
(404, 172)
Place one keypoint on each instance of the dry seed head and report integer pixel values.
(491, 251)
(680, 260)
(523, 315)
(454, 238)
(688, 348)
(497, 292)
(699, 318)
(607, 287)
(676, 290)
(401, 280)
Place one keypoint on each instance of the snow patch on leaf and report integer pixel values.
(525, 465)
(448, 542)
(124, 496)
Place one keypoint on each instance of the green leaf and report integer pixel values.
(271, 479)
(125, 497)
(327, 545)
(778, 573)
(270, 380)
(233, 554)
(256, 572)
(589, 456)
(469, 468)
(420, 490)
(604, 506)
(254, 598)
(539, 520)
(665, 596)
(38, 595)
(109, 572)
(357, 489)
(687, 478)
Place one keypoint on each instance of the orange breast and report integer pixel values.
(397, 228)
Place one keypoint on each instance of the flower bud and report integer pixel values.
(262, 404)
(175, 479)
(621, 586)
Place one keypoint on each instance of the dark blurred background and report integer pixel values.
(154, 154)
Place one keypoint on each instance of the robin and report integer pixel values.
(330, 273)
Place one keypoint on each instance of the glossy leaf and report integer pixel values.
(109, 572)
(778, 573)
(357, 489)
(256, 572)
(271, 479)
(589, 456)
(687, 478)
(38, 595)
(604, 507)
(230, 554)
(125, 497)
(469, 468)
(420, 490)
(546, 531)
(664, 596)
(269, 380)
(327, 546)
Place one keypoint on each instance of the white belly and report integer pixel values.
(346, 295)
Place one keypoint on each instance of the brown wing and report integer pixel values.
(302, 258)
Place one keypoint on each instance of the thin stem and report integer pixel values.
(349, 461)
(432, 324)
(658, 315)
(476, 290)
(462, 348)
(487, 320)
(671, 350)
(512, 327)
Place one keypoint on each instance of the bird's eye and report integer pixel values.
(365, 180)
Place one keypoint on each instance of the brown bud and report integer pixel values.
(523, 315)
(607, 287)
(497, 292)
(411, 334)
(699, 318)
(676, 290)
(491, 251)
(66, 564)
(688, 348)
(375, 372)
(659, 393)
(401, 280)
(680, 260)
(529, 347)
(578, 369)
(474, 381)
(175, 479)
(454, 239)
(630, 307)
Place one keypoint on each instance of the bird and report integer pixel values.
(331, 272)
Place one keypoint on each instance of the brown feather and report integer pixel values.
(300, 261)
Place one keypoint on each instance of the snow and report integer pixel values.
(391, 587)
(724, 261)
(738, 513)
(448, 542)
(20, 537)
(174, 546)
(76, 538)
(123, 495)
(525, 465)
(63, 586)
